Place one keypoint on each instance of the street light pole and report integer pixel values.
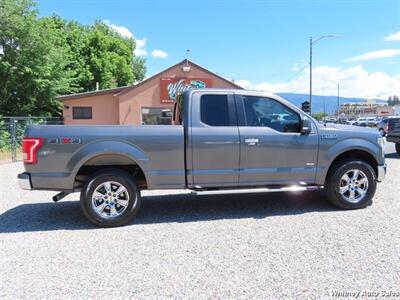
(338, 99)
(310, 99)
(312, 42)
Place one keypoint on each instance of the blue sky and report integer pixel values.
(261, 44)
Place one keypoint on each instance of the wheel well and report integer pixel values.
(356, 154)
(106, 161)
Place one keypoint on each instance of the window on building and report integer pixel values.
(214, 110)
(270, 113)
(81, 112)
(156, 116)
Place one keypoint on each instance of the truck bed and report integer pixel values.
(157, 150)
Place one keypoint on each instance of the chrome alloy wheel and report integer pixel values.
(110, 199)
(353, 186)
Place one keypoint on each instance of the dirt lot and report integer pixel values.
(181, 246)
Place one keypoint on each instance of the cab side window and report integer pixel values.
(266, 112)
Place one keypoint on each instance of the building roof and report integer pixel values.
(122, 90)
(92, 93)
(179, 63)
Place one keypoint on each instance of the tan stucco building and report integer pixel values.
(370, 108)
(148, 102)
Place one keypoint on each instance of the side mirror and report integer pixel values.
(306, 126)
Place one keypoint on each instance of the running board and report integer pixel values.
(259, 190)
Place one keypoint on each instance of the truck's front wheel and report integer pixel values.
(398, 148)
(110, 198)
(351, 184)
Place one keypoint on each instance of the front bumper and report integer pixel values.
(381, 173)
(24, 181)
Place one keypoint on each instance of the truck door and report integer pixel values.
(273, 151)
(214, 139)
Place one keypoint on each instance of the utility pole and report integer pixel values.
(323, 98)
(312, 42)
(310, 98)
(338, 104)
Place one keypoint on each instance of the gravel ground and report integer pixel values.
(231, 246)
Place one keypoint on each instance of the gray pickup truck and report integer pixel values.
(392, 130)
(223, 141)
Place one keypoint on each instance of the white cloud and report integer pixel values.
(140, 47)
(159, 53)
(354, 82)
(295, 69)
(248, 85)
(126, 33)
(392, 37)
(376, 55)
(123, 31)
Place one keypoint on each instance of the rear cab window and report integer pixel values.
(214, 110)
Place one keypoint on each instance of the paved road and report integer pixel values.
(276, 245)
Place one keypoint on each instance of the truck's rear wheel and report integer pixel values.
(351, 184)
(110, 198)
(398, 148)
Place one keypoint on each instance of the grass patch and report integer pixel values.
(6, 155)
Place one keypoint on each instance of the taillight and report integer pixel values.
(30, 146)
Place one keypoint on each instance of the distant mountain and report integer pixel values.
(318, 101)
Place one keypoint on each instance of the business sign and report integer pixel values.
(171, 86)
(385, 113)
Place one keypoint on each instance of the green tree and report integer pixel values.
(393, 100)
(396, 100)
(32, 71)
(319, 116)
(46, 57)
(110, 58)
(96, 53)
(390, 101)
(4, 136)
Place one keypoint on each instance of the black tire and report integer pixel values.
(334, 182)
(127, 213)
(397, 148)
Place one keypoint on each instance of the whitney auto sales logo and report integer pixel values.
(181, 86)
(170, 87)
(365, 294)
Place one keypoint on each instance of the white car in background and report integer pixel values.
(351, 122)
(361, 122)
(370, 121)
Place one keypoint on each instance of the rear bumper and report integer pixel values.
(46, 181)
(24, 181)
(381, 173)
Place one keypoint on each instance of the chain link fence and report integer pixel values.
(12, 131)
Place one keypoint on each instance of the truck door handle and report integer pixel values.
(251, 142)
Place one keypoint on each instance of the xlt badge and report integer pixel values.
(329, 136)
